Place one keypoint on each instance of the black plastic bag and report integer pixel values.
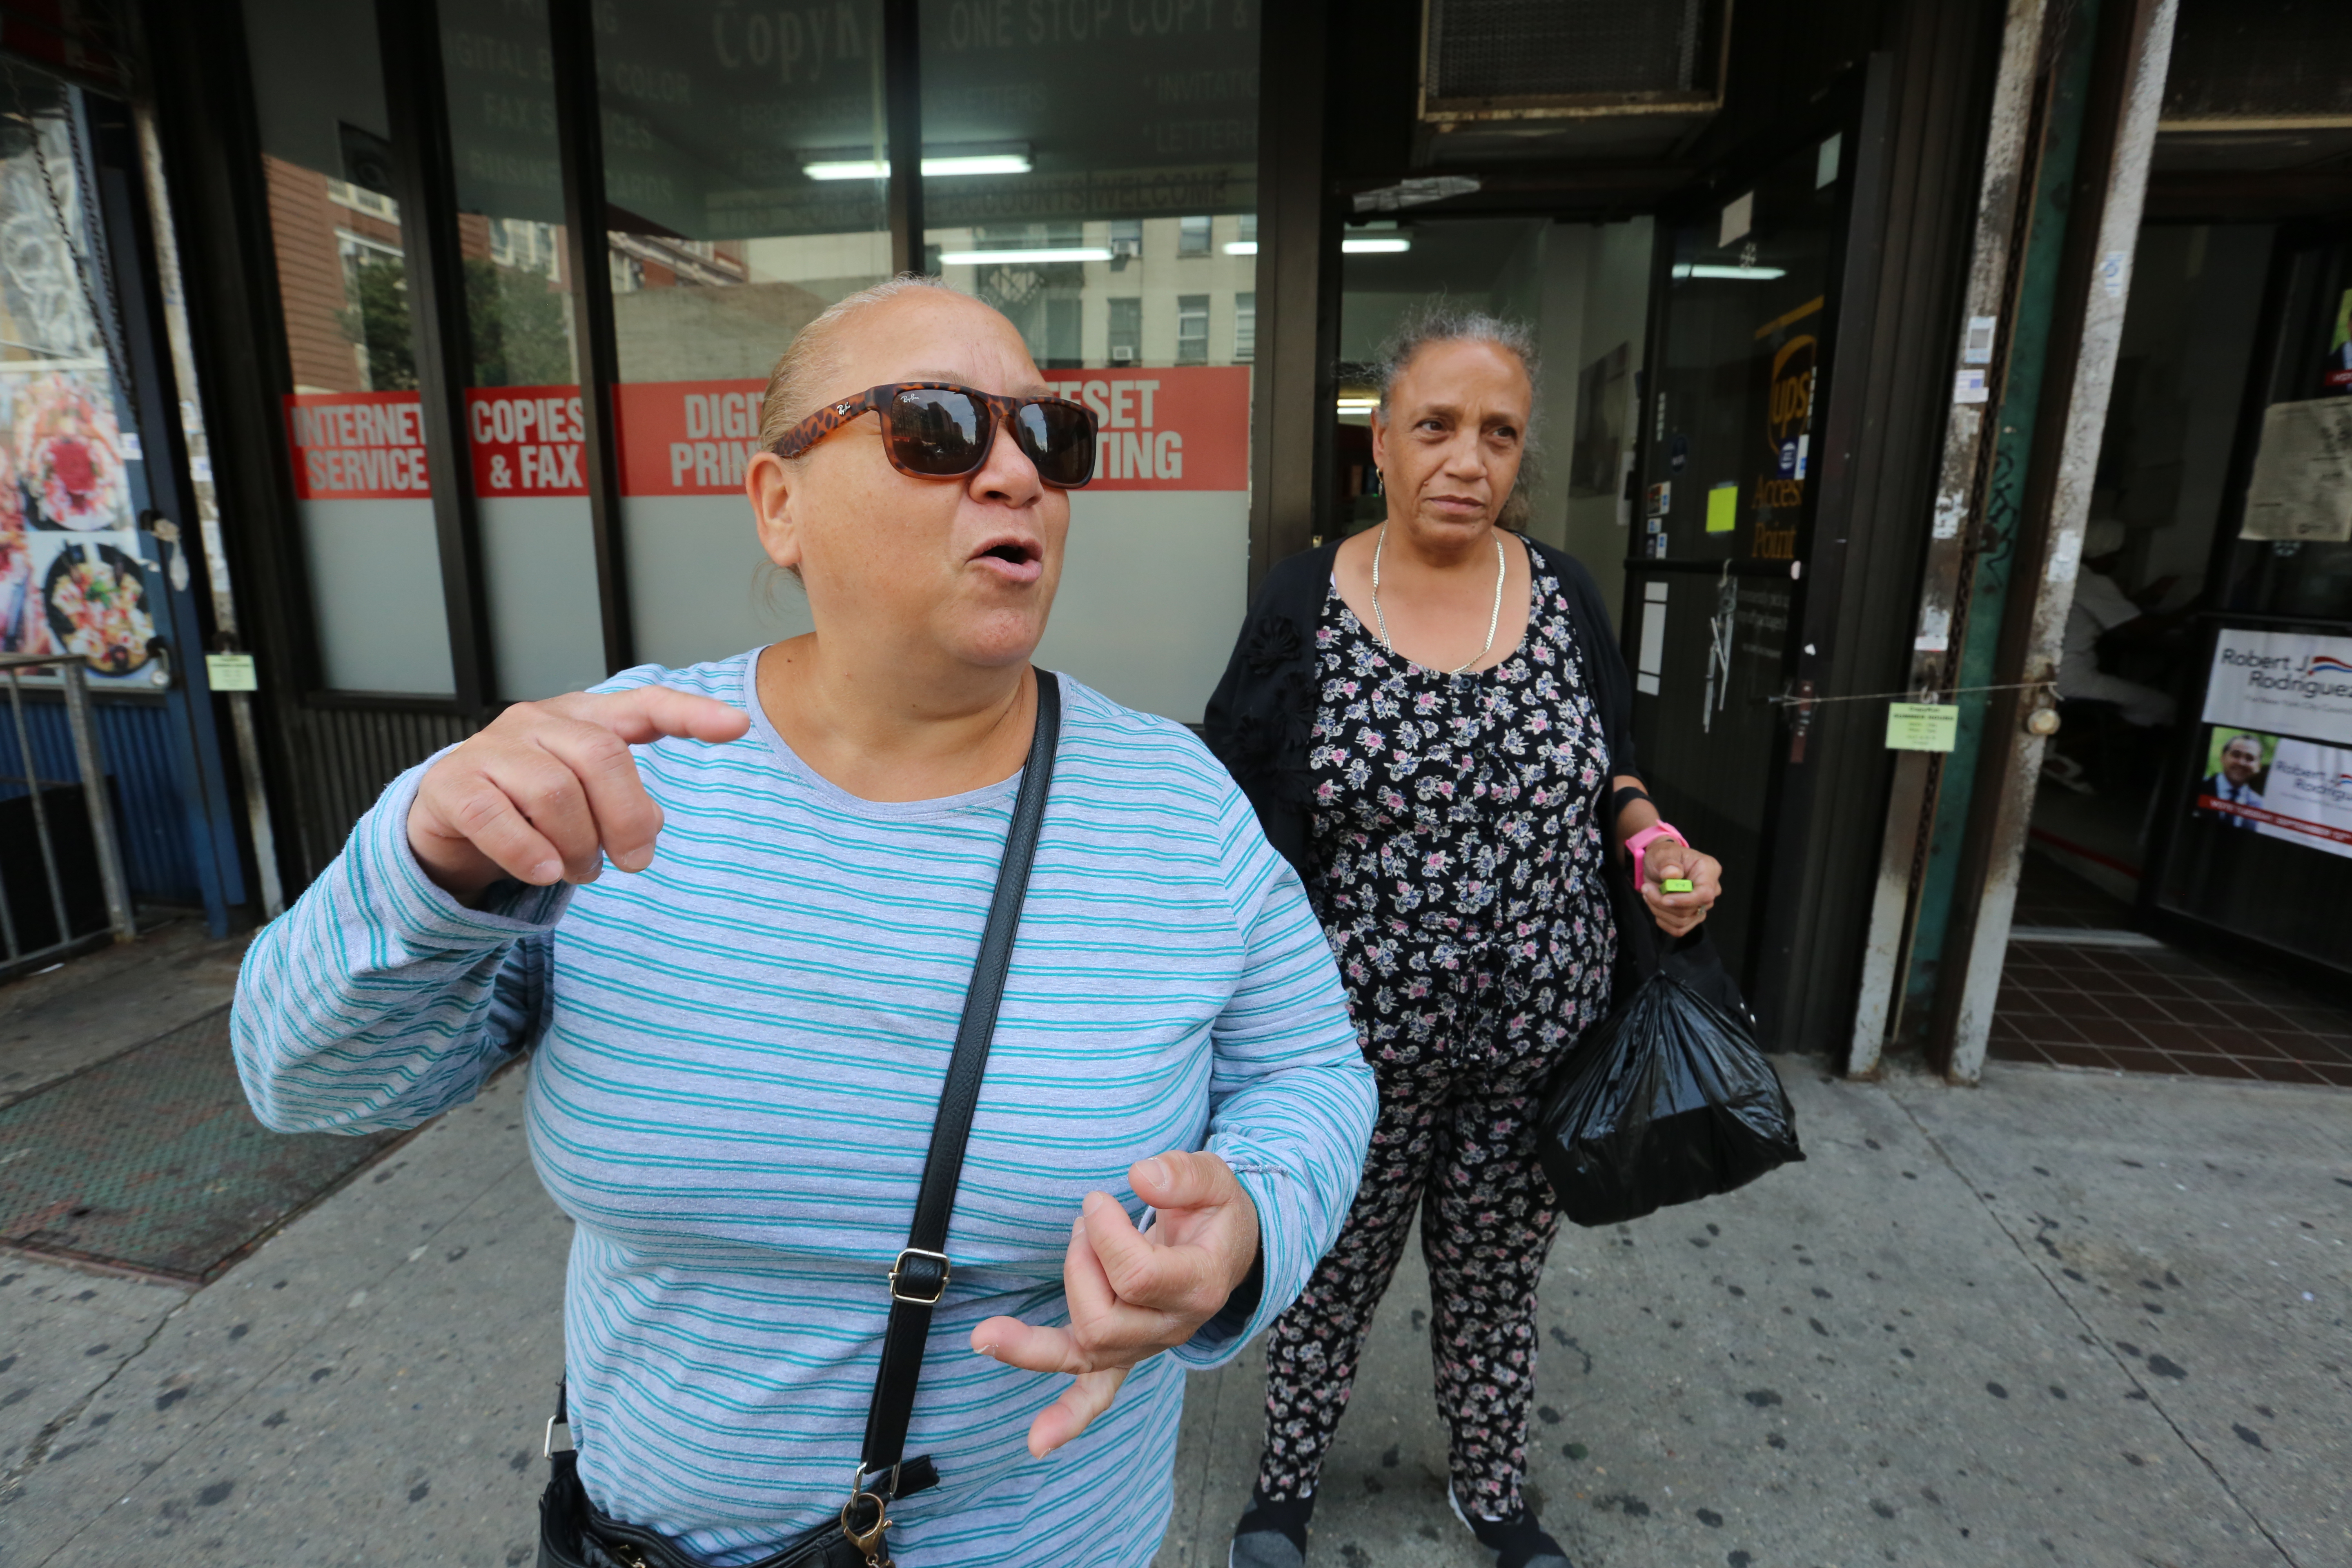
(1668, 1099)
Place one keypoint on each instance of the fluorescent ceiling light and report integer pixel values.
(979, 163)
(1392, 245)
(868, 169)
(1241, 247)
(1760, 274)
(1358, 405)
(1043, 253)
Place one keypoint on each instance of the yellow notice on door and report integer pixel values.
(1922, 726)
(1723, 507)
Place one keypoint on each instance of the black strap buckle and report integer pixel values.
(899, 1268)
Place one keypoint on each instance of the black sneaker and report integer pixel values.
(1271, 1534)
(1516, 1542)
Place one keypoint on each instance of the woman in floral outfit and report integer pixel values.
(1443, 802)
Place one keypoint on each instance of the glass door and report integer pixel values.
(2256, 828)
(1741, 333)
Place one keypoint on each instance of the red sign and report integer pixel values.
(1166, 429)
(1160, 430)
(686, 438)
(526, 441)
(2220, 808)
(357, 445)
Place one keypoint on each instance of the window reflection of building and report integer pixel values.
(1191, 329)
(340, 277)
(1126, 329)
(1137, 297)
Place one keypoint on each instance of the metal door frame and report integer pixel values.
(1855, 109)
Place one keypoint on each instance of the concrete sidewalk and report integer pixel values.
(2066, 1318)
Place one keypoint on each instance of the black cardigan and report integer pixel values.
(1260, 719)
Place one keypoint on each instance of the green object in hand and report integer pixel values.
(1678, 884)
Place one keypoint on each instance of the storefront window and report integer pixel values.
(1089, 172)
(363, 491)
(73, 573)
(522, 404)
(2260, 832)
(746, 179)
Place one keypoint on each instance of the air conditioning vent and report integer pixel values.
(1487, 59)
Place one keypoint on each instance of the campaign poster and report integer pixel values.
(2278, 786)
(73, 579)
(2282, 683)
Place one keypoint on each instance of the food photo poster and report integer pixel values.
(72, 577)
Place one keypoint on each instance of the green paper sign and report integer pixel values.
(230, 672)
(1922, 726)
(1723, 508)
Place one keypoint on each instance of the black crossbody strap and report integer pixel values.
(919, 1278)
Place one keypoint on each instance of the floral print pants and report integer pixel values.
(1458, 1104)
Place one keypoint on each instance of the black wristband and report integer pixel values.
(1623, 798)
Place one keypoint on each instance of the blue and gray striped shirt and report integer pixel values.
(739, 1054)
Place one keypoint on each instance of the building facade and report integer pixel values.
(1858, 319)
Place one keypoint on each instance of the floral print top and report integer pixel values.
(1460, 812)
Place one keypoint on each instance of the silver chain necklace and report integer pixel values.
(1494, 616)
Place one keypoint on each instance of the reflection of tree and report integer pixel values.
(377, 321)
(521, 326)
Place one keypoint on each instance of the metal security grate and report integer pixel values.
(1566, 48)
(153, 1161)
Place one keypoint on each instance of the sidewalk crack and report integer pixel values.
(57, 1426)
(2024, 1251)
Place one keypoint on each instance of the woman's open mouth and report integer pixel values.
(1013, 561)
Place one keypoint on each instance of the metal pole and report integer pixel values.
(1910, 811)
(2085, 427)
(7, 916)
(40, 810)
(587, 256)
(902, 71)
(207, 501)
(102, 814)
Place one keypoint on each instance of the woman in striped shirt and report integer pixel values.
(738, 1046)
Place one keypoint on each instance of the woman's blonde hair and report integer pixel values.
(811, 361)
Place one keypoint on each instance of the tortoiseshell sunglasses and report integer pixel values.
(938, 430)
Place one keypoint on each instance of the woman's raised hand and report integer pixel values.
(1676, 914)
(549, 789)
(1133, 1293)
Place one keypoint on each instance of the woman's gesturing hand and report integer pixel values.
(1133, 1293)
(1677, 912)
(549, 789)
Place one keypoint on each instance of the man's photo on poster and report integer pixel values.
(2237, 769)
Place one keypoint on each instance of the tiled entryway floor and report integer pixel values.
(2156, 1008)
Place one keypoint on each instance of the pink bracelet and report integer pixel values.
(1640, 842)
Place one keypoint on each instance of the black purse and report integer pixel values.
(574, 1533)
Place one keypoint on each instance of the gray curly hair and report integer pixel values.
(1442, 321)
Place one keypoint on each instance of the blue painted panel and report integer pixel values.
(135, 744)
